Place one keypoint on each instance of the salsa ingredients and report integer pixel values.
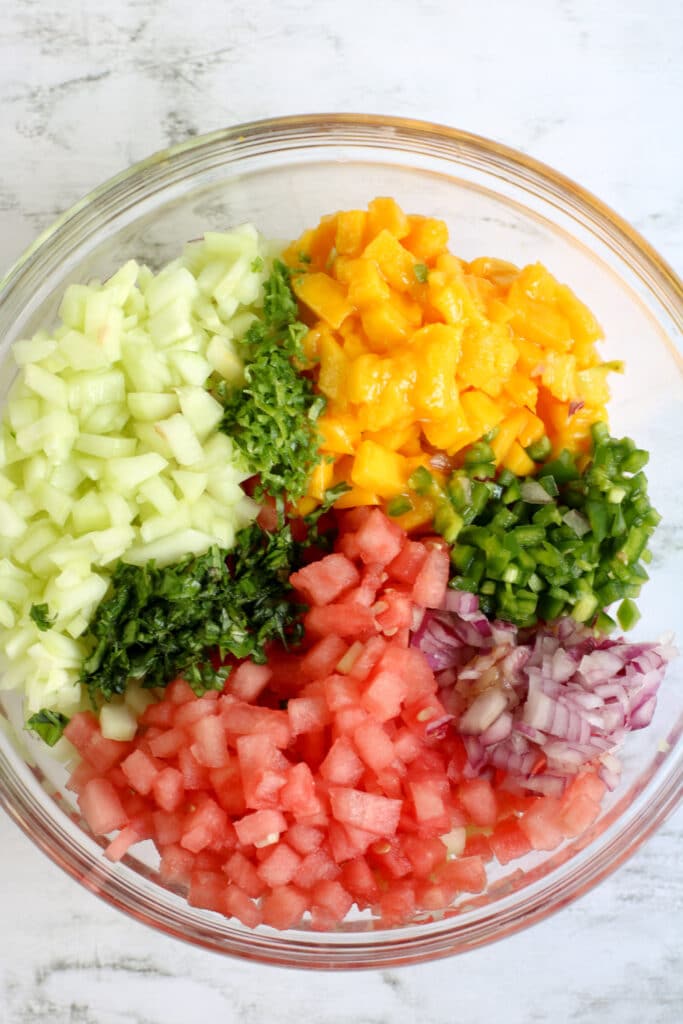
(329, 776)
(540, 705)
(272, 418)
(571, 541)
(418, 351)
(110, 448)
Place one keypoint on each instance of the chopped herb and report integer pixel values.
(304, 257)
(421, 271)
(49, 725)
(40, 615)
(257, 264)
(272, 418)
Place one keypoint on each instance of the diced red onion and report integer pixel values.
(499, 730)
(564, 693)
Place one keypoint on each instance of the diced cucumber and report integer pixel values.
(201, 409)
(110, 447)
(150, 406)
(118, 722)
(126, 474)
(181, 439)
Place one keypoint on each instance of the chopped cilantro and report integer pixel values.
(257, 264)
(40, 615)
(304, 257)
(49, 725)
(272, 418)
(421, 271)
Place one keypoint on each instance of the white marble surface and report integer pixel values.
(595, 89)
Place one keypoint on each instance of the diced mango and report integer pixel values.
(385, 326)
(340, 433)
(367, 287)
(482, 413)
(384, 214)
(379, 470)
(320, 479)
(533, 429)
(559, 375)
(395, 262)
(427, 239)
(508, 431)
(350, 234)
(334, 369)
(417, 350)
(324, 296)
(517, 460)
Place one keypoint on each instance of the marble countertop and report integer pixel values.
(594, 89)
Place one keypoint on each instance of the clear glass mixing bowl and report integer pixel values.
(283, 174)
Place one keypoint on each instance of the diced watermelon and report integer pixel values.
(368, 811)
(541, 824)
(101, 807)
(466, 874)
(238, 904)
(298, 795)
(241, 871)
(263, 770)
(384, 695)
(280, 865)
(168, 743)
(207, 890)
(195, 775)
(168, 788)
(345, 620)
(322, 582)
(168, 828)
(429, 588)
(322, 659)
(315, 867)
(341, 692)
(389, 858)
(373, 744)
(284, 906)
(210, 747)
(226, 783)
(141, 771)
(398, 903)
(331, 896)
(259, 827)
(508, 841)
(244, 719)
(478, 798)
(342, 766)
(378, 539)
(178, 691)
(304, 838)
(119, 846)
(424, 854)
(408, 562)
(208, 825)
(176, 865)
(306, 714)
(248, 680)
(191, 712)
(357, 877)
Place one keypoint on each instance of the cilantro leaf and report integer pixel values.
(49, 725)
(40, 615)
(421, 271)
(272, 419)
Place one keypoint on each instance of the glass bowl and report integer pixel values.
(283, 174)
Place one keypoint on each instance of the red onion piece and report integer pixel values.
(566, 697)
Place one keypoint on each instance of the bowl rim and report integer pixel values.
(660, 279)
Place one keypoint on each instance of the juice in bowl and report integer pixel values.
(320, 570)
